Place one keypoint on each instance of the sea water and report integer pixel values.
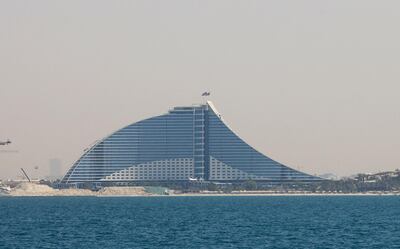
(201, 222)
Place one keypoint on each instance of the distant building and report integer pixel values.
(55, 169)
(329, 176)
(186, 144)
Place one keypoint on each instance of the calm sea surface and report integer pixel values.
(200, 222)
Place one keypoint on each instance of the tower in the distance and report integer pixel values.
(55, 171)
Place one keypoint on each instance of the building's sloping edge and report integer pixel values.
(70, 171)
(305, 176)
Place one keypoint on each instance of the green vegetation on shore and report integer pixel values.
(385, 181)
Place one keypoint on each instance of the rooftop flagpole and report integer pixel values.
(206, 94)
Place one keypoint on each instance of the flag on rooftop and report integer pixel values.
(206, 94)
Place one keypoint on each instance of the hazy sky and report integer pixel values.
(313, 84)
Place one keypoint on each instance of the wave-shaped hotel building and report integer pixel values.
(190, 142)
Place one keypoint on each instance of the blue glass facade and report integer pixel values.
(187, 142)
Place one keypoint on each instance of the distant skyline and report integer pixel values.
(313, 84)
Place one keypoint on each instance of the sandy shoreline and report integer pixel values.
(95, 194)
(31, 189)
(200, 195)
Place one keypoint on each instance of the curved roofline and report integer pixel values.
(97, 142)
(214, 109)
